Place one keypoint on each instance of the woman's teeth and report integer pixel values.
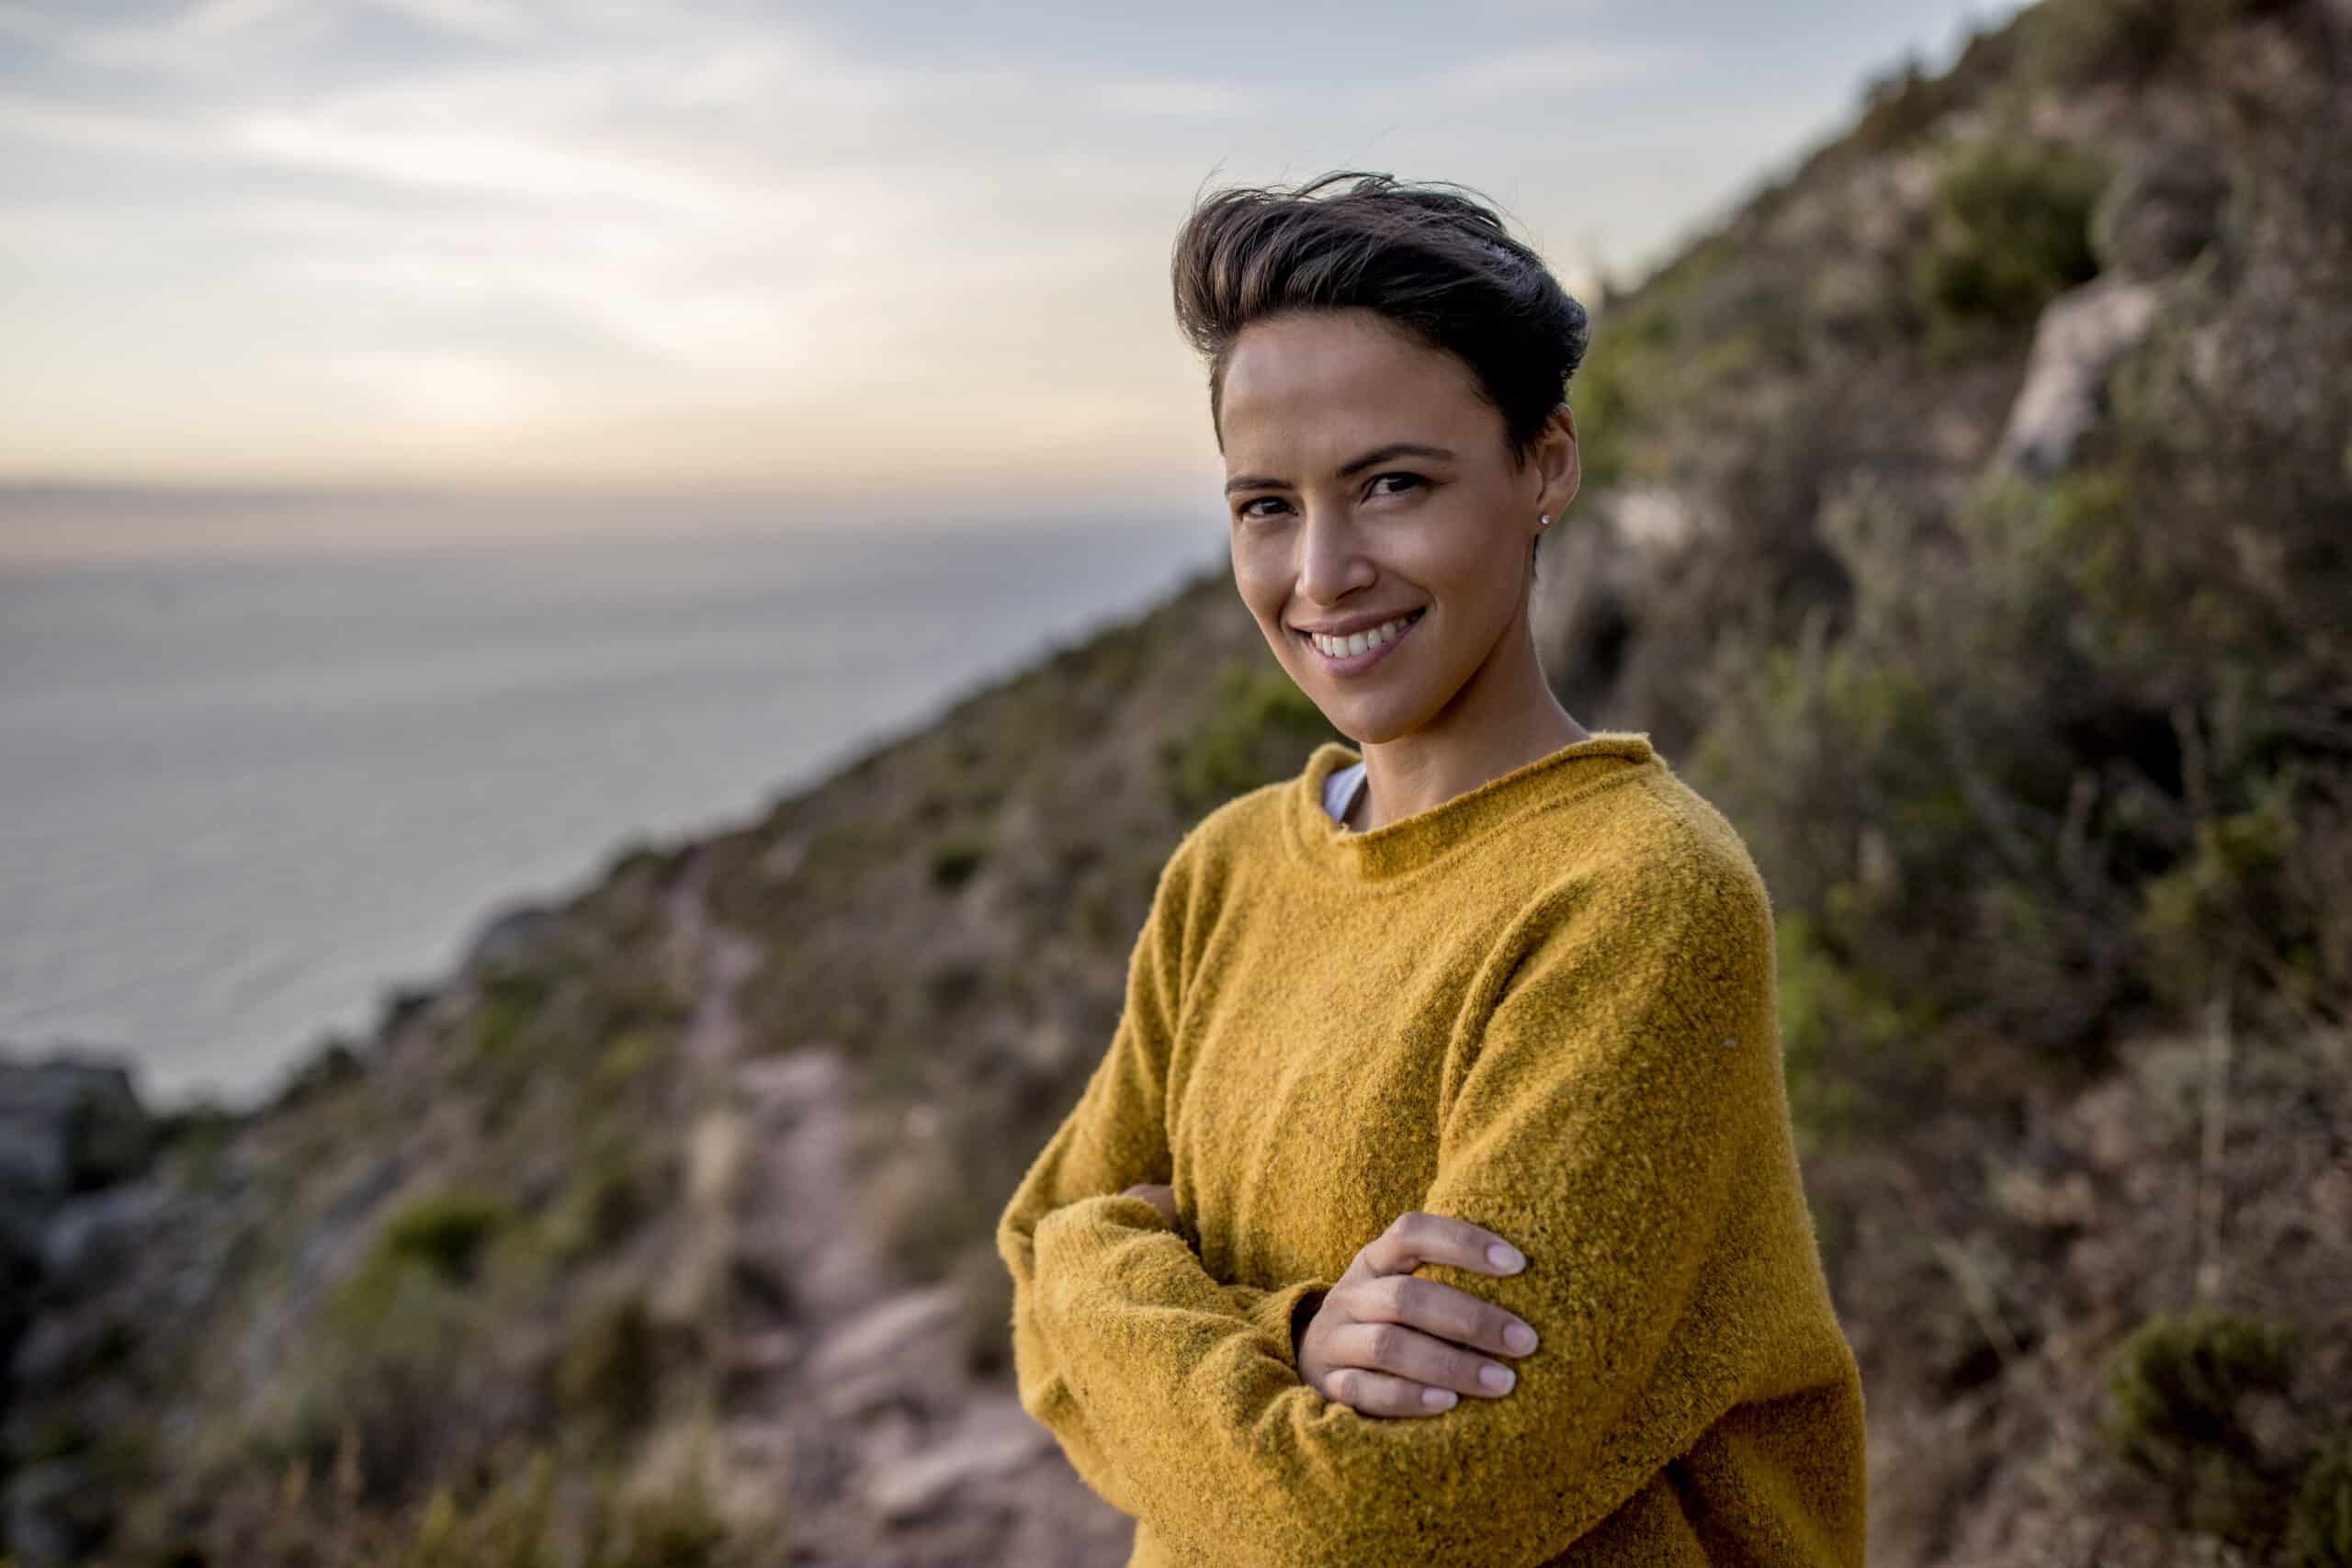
(1358, 642)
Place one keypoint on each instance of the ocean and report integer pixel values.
(241, 799)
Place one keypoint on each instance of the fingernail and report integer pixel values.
(1503, 1257)
(1520, 1337)
(1438, 1398)
(1499, 1379)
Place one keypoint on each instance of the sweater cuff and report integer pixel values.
(1283, 1314)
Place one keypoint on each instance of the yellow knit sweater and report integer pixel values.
(1544, 1006)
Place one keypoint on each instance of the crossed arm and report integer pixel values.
(1599, 1130)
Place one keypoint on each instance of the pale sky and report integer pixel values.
(906, 250)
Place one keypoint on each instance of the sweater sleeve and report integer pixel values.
(1114, 1137)
(1622, 1079)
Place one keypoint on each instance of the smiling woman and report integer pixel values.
(1436, 1201)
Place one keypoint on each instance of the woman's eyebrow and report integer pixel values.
(1377, 454)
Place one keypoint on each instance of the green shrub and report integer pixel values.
(1605, 394)
(394, 1354)
(446, 1232)
(679, 1528)
(1900, 106)
(510, 999)
(2010, 230)
(333, 1065)
(1845, 1047)
(608, 1378)
(1259, 725)
(625, 1055)
(956, 858)
(56, 1436)
(2074, 41)
(2319, 1531)
(509, 1527)
(2220, 912)
(607, 1198)
(514, 1523)
(839, 855)
(2071, 42)
(1656, 354)
(2178, 1387)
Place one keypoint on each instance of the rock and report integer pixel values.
(506, 937)
(68, 1125)
(864, 1364)
(2159, 212)
(2080, 336)
(57, 1512)
(890, 1332)
(992, 1438)
(89, 1238)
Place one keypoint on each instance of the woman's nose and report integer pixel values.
(1330, 558)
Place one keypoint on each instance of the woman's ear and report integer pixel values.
(1558, 463)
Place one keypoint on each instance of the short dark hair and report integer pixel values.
(1431, 257)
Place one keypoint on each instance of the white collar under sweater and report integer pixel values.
(1339, 790)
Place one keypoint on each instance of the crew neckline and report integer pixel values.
(1395, 852)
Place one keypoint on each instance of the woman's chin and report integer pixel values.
(1365, 723)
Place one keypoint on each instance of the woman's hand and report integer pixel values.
(1383, 1343)
(1159, 1194)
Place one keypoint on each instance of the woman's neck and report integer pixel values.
(1417, 771)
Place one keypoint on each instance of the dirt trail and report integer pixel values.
(844, 1399)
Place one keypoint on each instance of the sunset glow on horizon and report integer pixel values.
(904, 251)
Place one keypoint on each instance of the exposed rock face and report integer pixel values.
(504, 936)
(2161, 211)
(69, 1127)
(2081, 335)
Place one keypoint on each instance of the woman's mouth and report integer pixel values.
(1361, 650)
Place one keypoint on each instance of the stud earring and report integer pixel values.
(1543, 520)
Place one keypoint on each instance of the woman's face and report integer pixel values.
(1369, 482)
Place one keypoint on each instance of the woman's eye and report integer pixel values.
(1249, 509)
(1405, 482)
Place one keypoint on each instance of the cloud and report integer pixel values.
(1549, 66)
(475, 160)
(67, 125)
(1181, 99)
(213, 17)
(488, 21)
(475, 237)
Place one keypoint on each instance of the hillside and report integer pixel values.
(1970, 517)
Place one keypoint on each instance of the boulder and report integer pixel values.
(68, 1125)
(2081, 335)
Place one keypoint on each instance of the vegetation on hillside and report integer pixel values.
(2050, 773)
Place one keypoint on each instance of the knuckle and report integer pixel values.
(1383, 1343)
